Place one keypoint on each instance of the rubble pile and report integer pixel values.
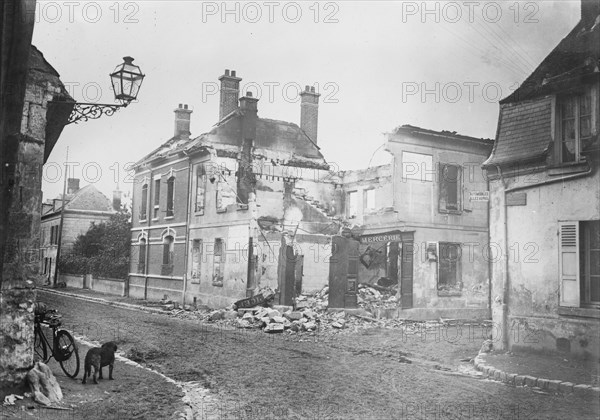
(370, 297)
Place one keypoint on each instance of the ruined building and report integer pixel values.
(423, 221)
(212, 213)
(545, 195)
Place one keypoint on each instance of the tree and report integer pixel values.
(103, 250)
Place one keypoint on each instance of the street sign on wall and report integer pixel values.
(479, 196)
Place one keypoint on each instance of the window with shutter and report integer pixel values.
(568, 264)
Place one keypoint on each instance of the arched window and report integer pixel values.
(144, 206)
(168, 254)
(170, 195)
(142, 256)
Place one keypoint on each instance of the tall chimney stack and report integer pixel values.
(309, 112)
(230, 92)
(72, 185)
(249, 106)
(182, 121)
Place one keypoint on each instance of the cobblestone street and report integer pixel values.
(375, 373)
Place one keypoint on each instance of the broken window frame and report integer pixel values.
(351, 205)
(425, 162)
(369, 192)
(446, 203)
(200, 190)
(449, 286)
(196, 260)
(218, 262)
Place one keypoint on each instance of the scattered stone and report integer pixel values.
(187, 307)
(293, 316)
(272, 313)
(338, 325)
(309, 326)
(169, 307)
(274, 328)
(217, 315)
(230, 315)
(43, 384)
(279, 319)
(248, 316)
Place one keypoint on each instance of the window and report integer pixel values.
(450, 188)
(449, 279)
(352, 204)
(417, 166)
(168, 255)
(196, 260)
(54, 235)
(170, 195)
(156, 197)
(144, 206)
(200, 189)
(218, 262)
(579, 264)
(369, 199)
(575, 122)
(142, 257)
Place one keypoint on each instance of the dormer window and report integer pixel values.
(575, 122)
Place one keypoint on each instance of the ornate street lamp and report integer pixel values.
(126, 81)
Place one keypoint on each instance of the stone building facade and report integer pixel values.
(545, 195)
(83, 207)
(29, 142)
(211, 213)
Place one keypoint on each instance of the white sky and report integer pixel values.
(371, 61)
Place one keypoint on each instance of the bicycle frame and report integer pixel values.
(54, 350)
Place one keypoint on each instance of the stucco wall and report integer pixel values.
(533, 258)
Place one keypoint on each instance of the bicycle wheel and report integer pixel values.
(39, 346)
(66, 353)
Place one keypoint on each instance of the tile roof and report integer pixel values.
(524, 132)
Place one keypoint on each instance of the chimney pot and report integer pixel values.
(226, 72)
(232, 73)
(249, 94)
(185, 106)
(306, 88)
(312, 89)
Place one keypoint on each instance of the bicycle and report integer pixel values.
(63, 346)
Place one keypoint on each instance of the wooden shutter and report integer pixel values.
(568, 263)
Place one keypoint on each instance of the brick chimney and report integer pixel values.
(72, 185)
(245, 179)
(230, 92)
(116, 201)
(309, 112)
(590, 9)
(182, 120)
(249, 106)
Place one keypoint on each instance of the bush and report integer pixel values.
(102, 251)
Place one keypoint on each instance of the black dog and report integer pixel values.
(98, 357)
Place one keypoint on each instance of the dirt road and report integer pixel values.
(377, 374)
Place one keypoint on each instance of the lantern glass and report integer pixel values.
(126, 80)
